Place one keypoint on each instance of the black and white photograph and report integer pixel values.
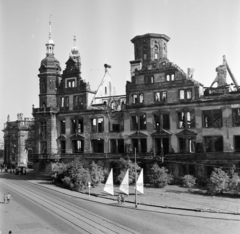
(120, 116)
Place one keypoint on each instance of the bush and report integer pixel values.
(218, 182)
(159, 176)
(67, 183)
(234, 181)
(124, 165)
(96, 173)
(189, 181)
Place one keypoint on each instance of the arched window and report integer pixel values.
(172, 77)
(168, 78)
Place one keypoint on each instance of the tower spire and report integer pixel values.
(50, 43)
(50, 36)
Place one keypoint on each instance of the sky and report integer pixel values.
(200, 31)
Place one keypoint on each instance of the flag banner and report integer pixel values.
(140, 182)
(109, 184)
(124, 187)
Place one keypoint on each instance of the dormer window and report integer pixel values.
(70, 83)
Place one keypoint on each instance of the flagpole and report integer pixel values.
(135, 180)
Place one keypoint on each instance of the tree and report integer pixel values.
(159, 176)
(189, 181)
(218, 181)
(96, 173)
(124, 165)
(234, 181)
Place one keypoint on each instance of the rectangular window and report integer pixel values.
(71, 83)
(212, 119)
(77, 146)
(63, 147)
(98, 146)
(160, 96)
(213, 143)
(62, 126)
(187, 144)
(79, 126)
(100, 125)
(157, 97)
(143, 122)
(134, 122)
(135, 98)
(237, 143)
(185, 94)
(164, 96)
(181, 94)
(73, 125)
(162, 121)
(64, 102)
(116, 146)
(236, 117)
(141, 98)
(166, 121)
(143, 144)
(189, 94)
(157, 122)
(97, 125)
(94, 125)
(186, 119)
(181, 119)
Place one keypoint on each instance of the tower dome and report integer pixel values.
(50, 62)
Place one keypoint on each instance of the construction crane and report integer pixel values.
(230, 73)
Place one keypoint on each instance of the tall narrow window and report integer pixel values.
(135, 98)
(181, 94)
(143, 122)
(134, 122)
(63, 147)
(62, 126)
(100, 125)
(236, 116)
(141, 99)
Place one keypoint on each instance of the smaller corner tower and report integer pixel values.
(150, 48)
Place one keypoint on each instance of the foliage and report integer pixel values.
(234, 181)
(96, 173)
(189, 181)
(124, 165)
(218, 181)
(159, 176)
(67, 183)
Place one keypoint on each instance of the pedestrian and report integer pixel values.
(119, 199)
(123, 199)
(9, 197)
(5, 198)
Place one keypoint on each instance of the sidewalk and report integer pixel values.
(17, 219)
(166, 202)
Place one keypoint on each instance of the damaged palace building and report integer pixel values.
(165, 115)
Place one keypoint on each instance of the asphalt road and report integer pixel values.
(66, 214)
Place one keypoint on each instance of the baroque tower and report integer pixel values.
(45, 115)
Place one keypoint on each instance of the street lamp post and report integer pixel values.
(135, 179)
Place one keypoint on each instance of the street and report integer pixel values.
(60, 213)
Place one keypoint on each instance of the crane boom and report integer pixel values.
(230, 72)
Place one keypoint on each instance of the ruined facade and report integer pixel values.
(164, 116)
(18, 141)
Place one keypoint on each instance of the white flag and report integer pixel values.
(140, 182)
(109, 184)
(124, 187)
